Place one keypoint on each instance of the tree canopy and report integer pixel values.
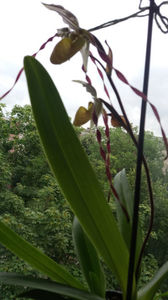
(32, 204)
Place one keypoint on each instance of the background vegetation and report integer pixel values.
(31, 202)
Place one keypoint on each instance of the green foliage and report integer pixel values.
(33, 206)
(89, 260)
(153, 149)
(126, 199)
(30, 200)
(148, 269)
(58, 289)
(87, 200)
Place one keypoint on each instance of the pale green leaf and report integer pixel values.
(126, 197)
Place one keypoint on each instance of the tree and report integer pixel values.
(30, 200)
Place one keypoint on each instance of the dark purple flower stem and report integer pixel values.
(140, 157)
(128, 128)
(106, 158)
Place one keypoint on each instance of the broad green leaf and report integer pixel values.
(126, 197)
(42, 295)
(42, 284)
(35, 257)
(89, 260)
(149, 290)
(73, 170)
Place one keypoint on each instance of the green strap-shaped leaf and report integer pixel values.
(148, 292)
(42, 295)
(35, 257)
(160, 296)
(89, 260)
(42, 284)
(73, 171)
(126, 197)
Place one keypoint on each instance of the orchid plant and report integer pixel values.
(96, 233)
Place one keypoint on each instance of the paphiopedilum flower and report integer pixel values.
(74, 38)
(83, 115)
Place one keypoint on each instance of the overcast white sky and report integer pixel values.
(26, 24)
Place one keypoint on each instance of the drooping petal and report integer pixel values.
(85, 54)
(66, 48)
(83, 115)
(67, 16)
(98, 107)
(109, 66)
